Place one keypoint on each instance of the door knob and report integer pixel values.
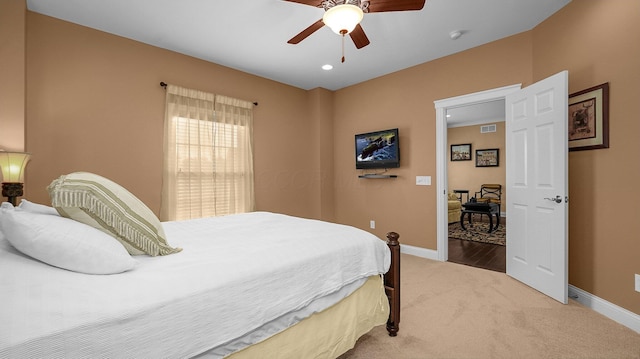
(558, 199)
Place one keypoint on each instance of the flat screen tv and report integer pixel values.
(378, 149)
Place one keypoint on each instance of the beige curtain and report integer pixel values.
(208, 164)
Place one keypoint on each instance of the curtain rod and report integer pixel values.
(164, 84)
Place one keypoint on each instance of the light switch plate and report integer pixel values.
(637, 282)
(423, 180)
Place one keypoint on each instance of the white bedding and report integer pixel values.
(234, 274)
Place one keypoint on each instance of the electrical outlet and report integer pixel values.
(372, 224)
(637, 282)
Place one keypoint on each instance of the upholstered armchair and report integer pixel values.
(455, 207)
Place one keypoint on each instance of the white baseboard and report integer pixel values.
(419, 252)
(608, 309)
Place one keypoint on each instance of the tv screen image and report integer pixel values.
(378, 149)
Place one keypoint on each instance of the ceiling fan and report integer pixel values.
(344, 16)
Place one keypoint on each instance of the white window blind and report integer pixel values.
(208, 165)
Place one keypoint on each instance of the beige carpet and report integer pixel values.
(456, 311)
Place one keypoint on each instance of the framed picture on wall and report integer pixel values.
(488, 158)
(461, 152)
(589, 118)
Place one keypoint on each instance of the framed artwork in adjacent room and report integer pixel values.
(488, 158)
(461, 152)
(589, 118)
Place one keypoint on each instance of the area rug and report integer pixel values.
(478, 233)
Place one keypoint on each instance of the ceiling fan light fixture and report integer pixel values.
(342, 19)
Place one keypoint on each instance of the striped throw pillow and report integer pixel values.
(107, 206)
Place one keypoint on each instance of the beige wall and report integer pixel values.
(12, 73)
(597, 41)
(321, 109)
(405, 100)
(465, 174)
(93, 103)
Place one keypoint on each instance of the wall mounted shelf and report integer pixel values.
(377, 176)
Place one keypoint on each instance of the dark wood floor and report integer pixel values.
(481, 255)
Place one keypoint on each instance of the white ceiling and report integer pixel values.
(252, 35)
(476, 114)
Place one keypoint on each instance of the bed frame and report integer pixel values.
(392, 284)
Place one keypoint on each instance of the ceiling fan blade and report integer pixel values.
(395, 5)
(306, 32)
(359, 38)
(314, 3)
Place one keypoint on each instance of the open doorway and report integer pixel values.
(538, 111)
(442, 153)
(474, 132)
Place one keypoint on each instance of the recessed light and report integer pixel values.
(327, 67)
(455, 35)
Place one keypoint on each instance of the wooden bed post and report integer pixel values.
(392, 284)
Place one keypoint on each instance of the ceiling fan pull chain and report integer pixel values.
(342, 47)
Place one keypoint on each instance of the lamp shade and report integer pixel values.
(12, 165)
(342, 19)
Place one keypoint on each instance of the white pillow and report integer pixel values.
(109, 207)
(37, 208)
(3, 239)
(64, 243)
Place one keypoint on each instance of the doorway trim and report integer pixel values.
(441, 155)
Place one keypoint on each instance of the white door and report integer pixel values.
(537, 185)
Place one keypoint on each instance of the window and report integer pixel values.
(208, 167)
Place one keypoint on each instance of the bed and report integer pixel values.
(258, 284)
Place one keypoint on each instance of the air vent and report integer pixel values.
(488, 128)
